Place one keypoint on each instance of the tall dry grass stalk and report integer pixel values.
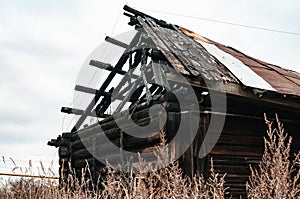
(32, 188)
(167, 182)
(278, 175)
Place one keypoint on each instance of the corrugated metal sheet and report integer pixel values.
(282, 80)
(247, 76)
(279, 78)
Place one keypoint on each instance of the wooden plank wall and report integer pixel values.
(240, 145)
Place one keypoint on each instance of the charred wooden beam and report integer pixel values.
(152, 88)
(109, 67)
(93, 102)
(71, 111)
(106, 83)
(136, 12)
(126, 99)
(116, 42)
(127, 76)
(136, 95)
(141, 14)
(120, 94)
(132, 143)
(88, 90)
(120, 86)
(80, 112)
(105, 66)
(104, 104)
(127, 14)
(95, 92)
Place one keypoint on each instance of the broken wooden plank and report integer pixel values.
(75, 111)
(105, 84)
(90, 90)
(71, 111)
(116, 42)
(109, 67)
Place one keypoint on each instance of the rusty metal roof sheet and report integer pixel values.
(259, 74)
(247, 76)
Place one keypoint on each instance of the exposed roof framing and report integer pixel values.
(197, 58)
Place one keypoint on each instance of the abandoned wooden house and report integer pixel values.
(246, 88)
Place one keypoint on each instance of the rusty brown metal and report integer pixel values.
(284, 81)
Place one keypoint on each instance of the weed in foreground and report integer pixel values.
(166, 182)
(278, 175)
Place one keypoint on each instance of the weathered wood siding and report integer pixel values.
(241, 143)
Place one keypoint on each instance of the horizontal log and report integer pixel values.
(81, 112)
(71, 111)
(105, 148)
(140, 114)
(94, 91)
(77, 145)
(133, 142)
(98, 132)
(82, 154)
(149, 126)
(112, 134)
(116, 42)
(109, 67)
(89, 90)
(112, 131)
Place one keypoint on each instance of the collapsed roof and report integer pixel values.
(196, 55)
(205, 64)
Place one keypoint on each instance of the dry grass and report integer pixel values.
(276, 177)
(156, 184)
(168, 182)
(164, 183)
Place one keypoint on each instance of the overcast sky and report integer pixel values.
(44, 43)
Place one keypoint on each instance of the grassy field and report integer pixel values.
(278, 176)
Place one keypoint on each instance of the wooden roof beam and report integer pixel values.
(75, 111)
(109, 67)
(116, 42)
